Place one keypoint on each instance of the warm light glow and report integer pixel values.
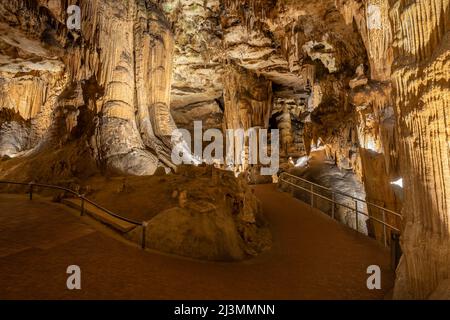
(398, 182)
(301, 162)
(371, 145)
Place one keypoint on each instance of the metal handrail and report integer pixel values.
(83, 199)
(345, 195)
(333, 201)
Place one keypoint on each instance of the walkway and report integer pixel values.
(313, 257)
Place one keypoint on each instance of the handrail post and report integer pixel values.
(144, 231)
(30, 190)
(312, 195)
(384, 229)
(396, 250)
(82, 204)
(356, 213)
(333, 196)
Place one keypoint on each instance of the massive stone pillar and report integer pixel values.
(154, 46)
(135, 68)
(120, 145)
(422, 95)
(248, 101)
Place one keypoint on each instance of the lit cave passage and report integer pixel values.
(350, 95)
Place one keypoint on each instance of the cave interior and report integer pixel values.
(351, 95)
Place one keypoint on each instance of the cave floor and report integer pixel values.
(313, 257)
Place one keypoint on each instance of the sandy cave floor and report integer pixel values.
(313, 257)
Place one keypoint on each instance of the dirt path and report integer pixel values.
(313, 258)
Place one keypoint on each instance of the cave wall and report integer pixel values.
(408, 55)
(197, 86)
(411, 51)
(421, 91)
(370, 95)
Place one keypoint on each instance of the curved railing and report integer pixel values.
(283, 178)
(83, 199)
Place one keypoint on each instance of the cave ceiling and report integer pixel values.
(283, 44)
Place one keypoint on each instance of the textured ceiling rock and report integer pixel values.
(256, 51)
(197, 67)
(322, 51)
(278, 44)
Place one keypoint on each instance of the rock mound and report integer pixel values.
(216, 217)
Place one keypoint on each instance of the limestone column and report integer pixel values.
(422, 95)
(154, 47)
(248, 102)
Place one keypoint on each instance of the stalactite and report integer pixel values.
(251, 11)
